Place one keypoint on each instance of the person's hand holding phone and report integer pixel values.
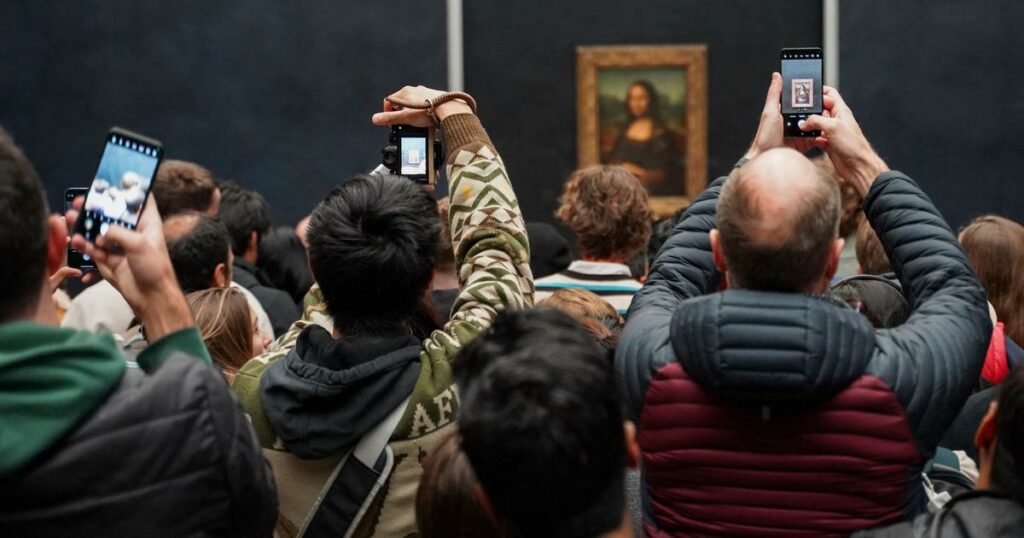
(770, 129)
(416, 117)
(845, 143)
(137, 264)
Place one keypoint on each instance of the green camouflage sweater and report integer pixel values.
(493, 257)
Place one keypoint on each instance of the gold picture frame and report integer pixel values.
(602, 69)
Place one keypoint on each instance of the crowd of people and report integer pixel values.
(808, 349)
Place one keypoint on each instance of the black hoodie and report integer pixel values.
(327, 393)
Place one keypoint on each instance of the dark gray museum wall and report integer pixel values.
(521, 65)
(936, 87)
(276, 95)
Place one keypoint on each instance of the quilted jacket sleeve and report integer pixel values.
(933, 360)
(682, 269)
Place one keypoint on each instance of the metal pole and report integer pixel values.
(456, 80)
(830, 38)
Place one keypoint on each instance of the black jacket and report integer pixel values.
(279, 306)
(692, 361)
(979, 514)
(169, 454)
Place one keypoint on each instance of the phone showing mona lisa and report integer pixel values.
(801, 88)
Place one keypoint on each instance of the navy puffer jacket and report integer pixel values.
(773, 414)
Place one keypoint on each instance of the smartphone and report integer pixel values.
(121, 184)
(801, 88)
(76, 259)
(412, 153)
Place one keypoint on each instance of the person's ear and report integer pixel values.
(56, 243)
(221, 276)
(986, 434)
(833, 258)
(485, 503)
(716, 250)
(632, 446)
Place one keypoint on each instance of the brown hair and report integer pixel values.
(446, 259)
(849, 199)
(446, 505)
(607, 208)
(589, 310)
(791, 264)
(995, 246)
(222, 315)
(870, 253)
(181, 186)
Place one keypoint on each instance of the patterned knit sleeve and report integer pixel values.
(492, 252)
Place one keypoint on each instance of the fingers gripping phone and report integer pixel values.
(801, 88)
(121, 184)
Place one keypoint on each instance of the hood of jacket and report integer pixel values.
(51, 380)
(767, 347)
(327, 393)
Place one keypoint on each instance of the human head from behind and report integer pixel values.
(995, 247)
(871, 256)
(200, 251)
(879, 299)
(181, 186)
(595, 314)
(228, 327)
(1000, 440)
(247, 216)
(778, 225)
(446, 503)
(607, 208)
(642, 101)
(541, 412)
(31, 243)
(282, 257)
(373, 245)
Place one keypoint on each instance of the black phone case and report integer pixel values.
(791, 122)
(124, 133)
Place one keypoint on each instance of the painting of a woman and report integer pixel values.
(645, 145)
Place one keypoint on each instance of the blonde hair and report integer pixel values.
(589, 310)
(222, 315)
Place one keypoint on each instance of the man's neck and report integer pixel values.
(250, 256)
(603, 260)
(625, 530)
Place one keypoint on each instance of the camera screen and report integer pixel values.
(120, 186)
(801, 83)
(414, 155)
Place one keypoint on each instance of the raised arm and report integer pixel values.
(492, 252)
(933, 360)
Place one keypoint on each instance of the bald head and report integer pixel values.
(778, 224)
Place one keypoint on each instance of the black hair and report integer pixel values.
(1008, 459)
(541, 422)
(196, 254)
(243, 211)
(23, 231)
(660, 232)
(373, 243)
(284, 261)
(878, 298)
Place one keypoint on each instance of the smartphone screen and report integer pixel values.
(76, 259)
(119, 189)
(413, 148)
(801, 81)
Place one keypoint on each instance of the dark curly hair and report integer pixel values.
(607, 208)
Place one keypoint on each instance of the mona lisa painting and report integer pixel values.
(645, 108)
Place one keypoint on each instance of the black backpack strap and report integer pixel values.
(354, 483)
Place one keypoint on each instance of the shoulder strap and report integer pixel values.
(353, 484)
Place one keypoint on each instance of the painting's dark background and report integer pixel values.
(278, 95)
